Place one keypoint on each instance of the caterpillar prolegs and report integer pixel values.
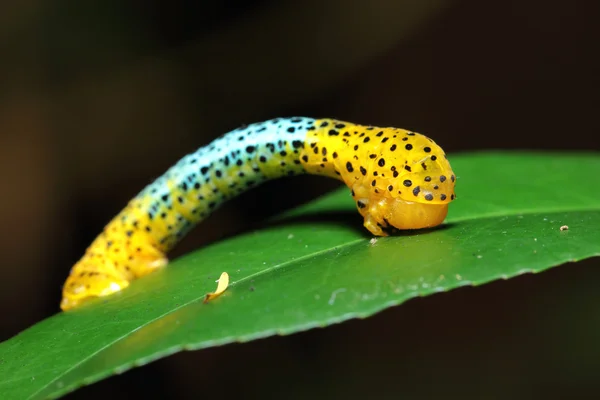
(398, 178)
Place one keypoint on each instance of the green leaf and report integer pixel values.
(317, 266)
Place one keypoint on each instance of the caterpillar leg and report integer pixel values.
(383, 212)
(89, 279)
(84, 285)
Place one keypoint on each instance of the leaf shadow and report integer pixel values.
(349, 218)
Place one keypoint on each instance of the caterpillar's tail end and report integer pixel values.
(389, 213)
(81, 287)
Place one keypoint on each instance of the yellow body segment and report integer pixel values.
(399, 180)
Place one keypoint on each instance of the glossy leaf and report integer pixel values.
(317, 266)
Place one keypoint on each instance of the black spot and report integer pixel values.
(340, 126)
(363, 170)
(333, 132)
(324, 151)
(372, 156)
(355, 147)
(316, 150)
(262, 159)
(443, 178)
(226, 161)
(379, 134)
(381, 162)
(365, 140)
(407, 183)
(324, 124)
(404, 139)
(250, 149)
(427, 149)
(239, 163)
(427, 179)
(374, 182)
(283, 153)
(408, 147)
(395, 173)
(218, 173)
(197, 185)
(406, 167)
(443, 197)
(436, 187)
(349, 166)
(297, 144)
(291, 129)
(416, 190)
(204, 170)
(393, 147)
(390, 188)
(452, 197)
(305, 158)
(428, 197)
(165, 197)
(385, 139)
(433, 158)
(335, 154)
(411, 134)
(424, 166)
(452, 178)
(360, 204)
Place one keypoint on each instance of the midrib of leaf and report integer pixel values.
(524, 211)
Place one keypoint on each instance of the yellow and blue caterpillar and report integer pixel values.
(399, 180)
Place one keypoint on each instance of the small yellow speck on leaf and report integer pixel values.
(221, 287)
(564, 228)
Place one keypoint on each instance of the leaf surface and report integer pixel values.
(316, 266)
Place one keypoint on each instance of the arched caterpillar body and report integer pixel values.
(398, 178)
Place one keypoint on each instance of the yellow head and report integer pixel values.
(407, 182)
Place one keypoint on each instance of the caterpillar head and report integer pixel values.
(407, 184)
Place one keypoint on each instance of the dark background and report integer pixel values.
(99, 97)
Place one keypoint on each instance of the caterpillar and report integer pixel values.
(398, 179)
